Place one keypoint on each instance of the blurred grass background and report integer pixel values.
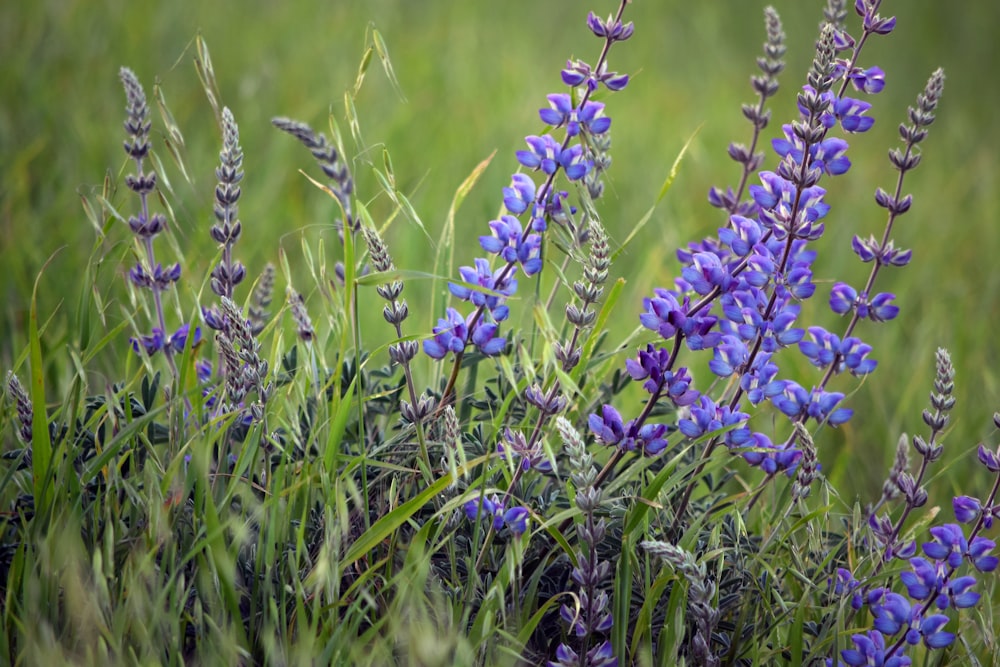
(473, 76)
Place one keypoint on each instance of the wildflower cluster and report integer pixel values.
(519, 245)
(941, 579)
(522, 502)
(146, 225)
(227, 229)
(739, 294)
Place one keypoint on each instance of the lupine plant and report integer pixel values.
(501, 483)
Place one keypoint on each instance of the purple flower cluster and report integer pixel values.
(932, 587)
(516, 238)
(158, 340)
(944, 576)
(493, 509)
(226, 231)
(739, 294)
(146, 226)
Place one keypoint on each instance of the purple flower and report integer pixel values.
(929, 629)
(562, 112)
(892, 614)
(850, 113)
(895, 614)
(822, 349)
(516, 518)
(842, 298)
(546, 154)
(871, 80)
(472, 508)
(664, 314)
(650, 439)
(161, 278)
(520, 195)
(880, 309)
(146, 227)
(651, 365)
(742, 235)
(759, 383)
(774, 190)
(869, 649)
(873, 22)
(179, 338)
(760, 268)
(826, 155)
(731, 354)
(530, 457)
(798, 282)
(483, 276)
(989, 459)
(707, 417)
(967, 509)
(450, 336)
(854, 354)
(949, 544)
(610, 29)
(778, 197)
(578, 72)
(679, 389)
(485, 338)
(979, 554)
(507, 242)
(203, 370)
(608, 427)
(924, 581)
(706, 273)
(959, 594)
(759, 451)
(151, 344)
(871, 248)
(794, 401)
(846, 583)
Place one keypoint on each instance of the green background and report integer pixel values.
(473, 75)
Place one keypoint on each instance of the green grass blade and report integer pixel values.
(41, 442)
(664, 189)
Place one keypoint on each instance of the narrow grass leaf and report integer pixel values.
(41, 443)
(664, 189)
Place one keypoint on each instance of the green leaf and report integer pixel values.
(41, 443)
(339, 424)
